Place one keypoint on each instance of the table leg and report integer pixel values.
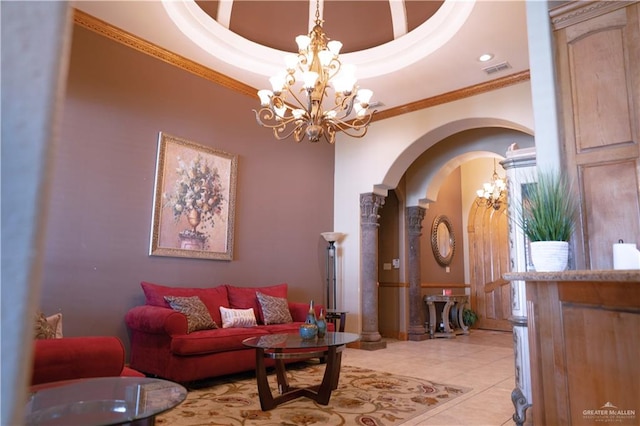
(446, 311)
(432, 318)
(343, 320)
(320, 393)
(331, 375)
(281, 373)
(264, 392)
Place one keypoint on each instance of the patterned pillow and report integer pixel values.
(237, 317)
(275, 310)
(43, 329)
(198, 317)
(55, 321)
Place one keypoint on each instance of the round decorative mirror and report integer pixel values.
(443, 241)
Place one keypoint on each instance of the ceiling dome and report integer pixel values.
(359, 25)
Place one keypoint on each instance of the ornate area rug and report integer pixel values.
(363, 397)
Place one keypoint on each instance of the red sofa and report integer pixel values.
(162, 347)
(71, 358)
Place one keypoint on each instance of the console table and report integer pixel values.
(583, 345)
(452, 309)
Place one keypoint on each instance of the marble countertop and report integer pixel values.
(610, 275)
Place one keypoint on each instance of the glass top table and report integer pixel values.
(281, 347)
(276, 342)
(102, 401)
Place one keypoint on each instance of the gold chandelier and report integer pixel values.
(298, 111)
(493, 192)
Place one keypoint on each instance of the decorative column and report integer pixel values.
(520, 165)
(416, 331)
(370, 337)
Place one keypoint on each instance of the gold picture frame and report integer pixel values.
(194, 200)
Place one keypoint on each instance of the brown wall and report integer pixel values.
(390, 296)
(448, 203)
(99, 221)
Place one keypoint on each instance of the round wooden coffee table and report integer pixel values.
(281, 347)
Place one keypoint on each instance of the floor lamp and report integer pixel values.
(331, 238)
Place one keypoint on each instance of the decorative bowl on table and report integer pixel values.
(308, 331)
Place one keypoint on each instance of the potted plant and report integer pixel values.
(548, 216)
(469, 317)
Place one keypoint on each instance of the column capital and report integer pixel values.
(415, 215)
(370, 203)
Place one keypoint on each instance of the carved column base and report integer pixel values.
(372, 346)
(370, 336)
(414, 337)
(417, 333)
(521, 405)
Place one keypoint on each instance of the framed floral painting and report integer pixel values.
(194, 200)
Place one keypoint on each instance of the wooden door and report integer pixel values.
(488, 260)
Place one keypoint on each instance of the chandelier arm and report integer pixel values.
(300, 103)
(279, 131)
(354, 124)
(267, 114)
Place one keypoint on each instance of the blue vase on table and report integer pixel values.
(321, 322)
(309, 330)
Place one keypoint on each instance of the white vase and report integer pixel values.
(550, 256)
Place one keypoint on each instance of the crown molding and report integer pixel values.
(98, 26)
(118, 35)
(573, 12)
(454, 95)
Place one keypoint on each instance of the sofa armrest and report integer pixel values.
(299, 311)
(76, 358)
(156, 320)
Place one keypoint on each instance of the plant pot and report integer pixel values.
(550, 256)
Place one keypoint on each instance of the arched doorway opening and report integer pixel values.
(430, 175)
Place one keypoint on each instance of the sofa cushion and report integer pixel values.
(237, 318)
(245, 297)
(212, 297)
(198, 317)
(275, 310)
(214, 341)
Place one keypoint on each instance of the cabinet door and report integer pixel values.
(598, 63)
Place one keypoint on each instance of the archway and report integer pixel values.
(426, 176)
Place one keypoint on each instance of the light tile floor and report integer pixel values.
(482, 360)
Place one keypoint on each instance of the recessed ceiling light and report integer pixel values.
(486, 57)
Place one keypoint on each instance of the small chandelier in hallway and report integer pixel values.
(298, 111)
(493, 192)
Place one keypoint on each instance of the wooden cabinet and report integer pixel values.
(584, 346)
(598, 72)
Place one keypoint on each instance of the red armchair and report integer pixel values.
(77, 358)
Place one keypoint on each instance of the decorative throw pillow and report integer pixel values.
(275, 310)
(198, 317)
(245, 297)
(43, 329)
(237, 317)
(55, 321)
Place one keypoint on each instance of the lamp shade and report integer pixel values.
(332, 237)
